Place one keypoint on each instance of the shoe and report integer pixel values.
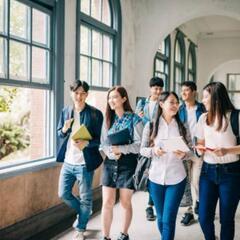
(150, 214)
(196, 209)
(78, 236)
(123, 236)
(105, 238)
(187, 219)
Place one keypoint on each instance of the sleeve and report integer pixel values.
(139, 107)
(137, 136)
(60, 126)
(105, 144)
(145, 150)
(200, 127)
(95, 142)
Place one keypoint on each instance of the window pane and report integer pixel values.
(107, 48)
(96, 44)
(40, 27)
(234, 82)
(190, 61)
(3, 54)
(106, 15)
(84, 68)
(159, 65)
(19, 61)
(85, 6)
(106, 75)
(190, 77)
(96, 9)
(3, 16)
(24, 130)
(19, 19)
(40, 63)
(84, 40)
(96, 73)
(161, 48)
(178, 56)
(235, 98)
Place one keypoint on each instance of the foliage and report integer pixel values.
(7, 96)
(12, 138)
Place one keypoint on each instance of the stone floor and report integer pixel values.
(141, 229)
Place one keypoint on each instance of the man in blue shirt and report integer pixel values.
(147, 110)
(189, 113)
(81, 157)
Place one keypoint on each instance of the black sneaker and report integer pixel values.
(187, 219)
(150, 214)
(196, 209)
(105, 238)
(123, 236)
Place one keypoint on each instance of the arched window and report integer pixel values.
(162, 62)
(179, 62)
(98, 42)
(192, 63)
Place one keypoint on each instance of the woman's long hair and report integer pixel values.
(110, 114)
(163, 97)
(220, 104)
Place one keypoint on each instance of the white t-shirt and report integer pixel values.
(192, 120)
(216, 139)
(73, 154)
(151, 108)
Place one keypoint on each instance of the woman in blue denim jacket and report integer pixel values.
(220, 175)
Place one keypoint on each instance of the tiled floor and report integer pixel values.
(144, 230)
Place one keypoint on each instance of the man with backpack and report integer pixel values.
(147, 110)
(189, 113)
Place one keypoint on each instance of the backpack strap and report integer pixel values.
(234, 119)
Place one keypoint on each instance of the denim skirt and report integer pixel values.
(119, 173)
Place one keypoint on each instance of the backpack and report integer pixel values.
(234, 120)
(140, 177)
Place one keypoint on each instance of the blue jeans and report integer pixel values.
(219, 181)
(68, 176)
(166, 200)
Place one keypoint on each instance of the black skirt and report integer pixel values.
(119, 173)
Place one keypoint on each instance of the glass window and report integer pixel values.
(96, 45)
(179, 62)
(233, 86)
(162, 62)
(26, 95)
(192, 63)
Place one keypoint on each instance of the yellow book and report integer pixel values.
(82, 133)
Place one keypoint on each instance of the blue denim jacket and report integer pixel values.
(92, 118)
(183, 112)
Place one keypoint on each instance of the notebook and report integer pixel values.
(82, 133)
(121, 137)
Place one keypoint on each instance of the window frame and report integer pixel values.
(166, 59)
(114, 31)
(179, 38)
(193, 71)
(56, 72)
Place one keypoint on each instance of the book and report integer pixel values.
(174, 144)
(82, 133)
(121, 137)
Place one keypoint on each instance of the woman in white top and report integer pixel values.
(220, 175)
(167, 176)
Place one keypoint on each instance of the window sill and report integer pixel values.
(28, 167)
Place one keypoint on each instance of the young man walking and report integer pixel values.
(189, 113)
(80, 157)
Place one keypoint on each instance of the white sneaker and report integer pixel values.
(78, 235)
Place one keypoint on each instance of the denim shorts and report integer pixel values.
(119, 173)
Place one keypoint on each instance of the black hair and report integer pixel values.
(192, 85)
(163, 97)
(78, 83)
(156, 81)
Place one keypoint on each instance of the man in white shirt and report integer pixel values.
(189, 113)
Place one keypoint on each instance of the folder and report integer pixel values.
(121, 137)
(82, 133)
(173, 144)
